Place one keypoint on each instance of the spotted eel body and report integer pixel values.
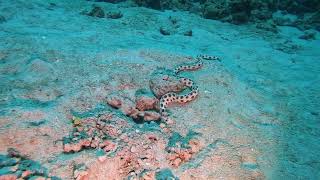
(172, 97)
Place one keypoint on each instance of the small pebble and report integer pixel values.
(133, 149)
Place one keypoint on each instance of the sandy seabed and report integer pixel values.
(257, 115)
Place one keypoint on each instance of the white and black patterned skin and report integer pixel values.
(171, 97)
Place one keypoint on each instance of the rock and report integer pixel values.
(284, 19)
(81, 175)
(130, 111)
(114, 15)
(8, 177)
(80, 172)
(108, 146)
(14, 153)
(146, 103)
(172, 26)
(239, 18)
(215, 10)
(102, 159)
(239, 10)
(173, 20)
(233, 11)
(236, 11)
(133, 149)
(177, 4)
(26, 173)
(188, 33)
(267, 26)
(299, 6)
(261, 14)
(309, 21)
(176, 162)
(154, 4)
(159, 86)
(76, 147)
(151, 116)
(114, 102)
(164, 31)
(308, 35)
(96, 11)
(109, 1)
(195, 146)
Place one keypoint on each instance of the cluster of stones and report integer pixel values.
(144, 108)
(16, 166)
(94, 133)
(140, 158)
(139, 154)
(177, 156)
(103, 132)
(262, 12)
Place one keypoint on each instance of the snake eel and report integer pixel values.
(171, 97)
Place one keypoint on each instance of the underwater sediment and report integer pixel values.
(141, 89)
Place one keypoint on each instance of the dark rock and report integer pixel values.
(154, 4)
(215, 10)
(236, 6)
(160, 86)
(183, 5)
(284, 19)
(164, 31)
(267, 26)
(239, 18)
(234, 11)
(308, 21)
(262, 14)
(308, 35)
(151, 116)
(173, 20)
(109, 1)
(188, 33)
(13, 153)
(114, 15)
(97, 12)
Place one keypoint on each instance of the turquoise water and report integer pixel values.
(74, 71)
